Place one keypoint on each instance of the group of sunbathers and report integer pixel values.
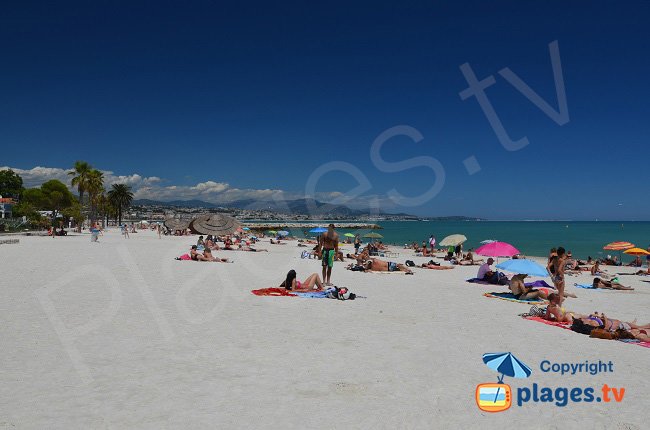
(230, 243)
(608, 328)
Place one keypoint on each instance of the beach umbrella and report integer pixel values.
(453, 240)
(273, 232)
(144, 222)
(215, 224)
(497, 249)
(618, 246)
(636, 251)
(318, 230)
(176, 224)
(283, 233)
(485, 242)
(348, 235)
(521, 265)
(507, 365)
(245, 228)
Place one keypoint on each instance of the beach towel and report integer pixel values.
(184, 257)
(511, 298)
(585, 286)
(567, 326)
(438, 267)
(312, 295)
(273, 292)
(539, 284)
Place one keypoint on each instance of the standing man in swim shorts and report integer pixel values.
(558, 265)
(329, 250)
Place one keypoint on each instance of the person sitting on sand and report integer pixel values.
(555, 312)
(636, 262)
(200, 242)
(194, 254)
(312, 283)
(522, 292)
(377, 265)
(609, 285)
(485, 271)
(207, 256)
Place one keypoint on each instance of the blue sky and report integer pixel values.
(218, 101)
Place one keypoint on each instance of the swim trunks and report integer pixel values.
(328, 257)
(392, 267)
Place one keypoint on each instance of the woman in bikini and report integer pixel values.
(312, 283)
(608, 285)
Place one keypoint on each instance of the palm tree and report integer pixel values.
(95, 188)
(82, 170)
(120, 196)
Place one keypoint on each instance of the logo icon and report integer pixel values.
(491, 397)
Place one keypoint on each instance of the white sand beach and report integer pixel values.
(118, 334)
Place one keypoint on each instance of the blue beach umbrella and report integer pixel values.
(507, 365)
(521, 265)
(246, 228)
(318, 230)
(283, 233)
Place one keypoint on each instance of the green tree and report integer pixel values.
(11, 184)
(52, 196)
(120, 196)
(95, 188)
(80, 176)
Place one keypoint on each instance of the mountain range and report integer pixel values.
(298, 206)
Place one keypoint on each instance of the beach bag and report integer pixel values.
(409, 263)
(580, 327)
(340, 294)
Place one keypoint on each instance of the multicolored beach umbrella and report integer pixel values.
(618, 246)
(497, 249)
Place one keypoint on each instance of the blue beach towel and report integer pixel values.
(314, 295)
(585, 286)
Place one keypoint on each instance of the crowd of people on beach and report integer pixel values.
(367, 258)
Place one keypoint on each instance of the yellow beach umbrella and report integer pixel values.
(636, 251)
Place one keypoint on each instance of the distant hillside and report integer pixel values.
(299, 206)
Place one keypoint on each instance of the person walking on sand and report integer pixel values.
(329, 250)
(432, 242)
(557, 267)
(159, 231)
(357, 244)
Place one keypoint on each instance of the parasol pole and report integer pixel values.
(498, 388)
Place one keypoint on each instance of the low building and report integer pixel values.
(6, 206)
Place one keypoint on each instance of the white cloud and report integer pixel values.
(210, 191)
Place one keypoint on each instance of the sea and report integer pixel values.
(535, 238)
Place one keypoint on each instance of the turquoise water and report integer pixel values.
(531, 238)
(583, 238)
